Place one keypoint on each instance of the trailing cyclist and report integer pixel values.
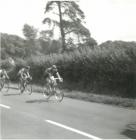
(24, 76)
(3, 74)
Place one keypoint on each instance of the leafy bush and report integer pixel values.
(109, 68)
(108, 71)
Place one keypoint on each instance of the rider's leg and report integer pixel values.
(48, 84)
(22, 82)
(3, 80)
(49, 88)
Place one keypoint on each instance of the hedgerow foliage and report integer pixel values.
(108, 70)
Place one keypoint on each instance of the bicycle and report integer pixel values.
(25, 85)
(4, 84)
(52, 88)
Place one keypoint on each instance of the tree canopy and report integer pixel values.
(29, 32)
(71, 21)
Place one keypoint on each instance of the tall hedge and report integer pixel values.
(109, 70)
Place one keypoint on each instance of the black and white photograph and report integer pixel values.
(68, 69)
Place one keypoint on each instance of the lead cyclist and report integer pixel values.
(51, 76)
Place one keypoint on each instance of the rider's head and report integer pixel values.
(28, 68)
(54, 67)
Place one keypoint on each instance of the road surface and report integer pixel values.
(31, 116)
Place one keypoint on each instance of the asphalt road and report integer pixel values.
(31, 116)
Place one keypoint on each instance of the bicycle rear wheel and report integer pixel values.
(59, 95)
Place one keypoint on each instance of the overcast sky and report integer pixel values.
(106, 19)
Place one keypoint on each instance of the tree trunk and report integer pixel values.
(61, 28)
(78, 37)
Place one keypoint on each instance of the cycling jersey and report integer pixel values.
(24, 73)
(51, 72)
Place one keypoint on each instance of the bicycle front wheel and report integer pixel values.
(29, 89)
(46, 92)
(20, 87)
(6, 86)
(59, 95)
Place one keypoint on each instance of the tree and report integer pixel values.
(31, 42)
(71, 20)
(46, 35)
(29, 32)
(12, 45)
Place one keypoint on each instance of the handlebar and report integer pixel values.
(61, 79)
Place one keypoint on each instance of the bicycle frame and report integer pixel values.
(52, 89)
(24, 83)
(53, 86)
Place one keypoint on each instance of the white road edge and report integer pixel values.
(73, 130)
(5, 106)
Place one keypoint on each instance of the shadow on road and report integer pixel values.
(37, 101)
(130, 131)
(11, 94)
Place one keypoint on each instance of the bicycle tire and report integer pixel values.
(5, 87)
(46, 93)
(28, 89)
(59, 95)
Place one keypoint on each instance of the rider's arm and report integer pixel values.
(47, 72)
(58, 75)
(28, 75)
(6, 74)
(20, 73)
(23, 75)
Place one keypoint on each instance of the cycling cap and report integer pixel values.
(54, 66)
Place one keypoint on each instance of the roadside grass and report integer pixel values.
(105, 99)
(92, 97)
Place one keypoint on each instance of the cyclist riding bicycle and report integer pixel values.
(3, 74)
(50, 86)
(24, 74)
(51, 74)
